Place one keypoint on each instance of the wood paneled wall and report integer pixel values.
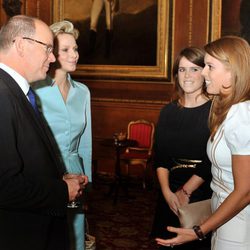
(115, 102)
(37, 8)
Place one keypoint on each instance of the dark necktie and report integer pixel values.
(32, 100)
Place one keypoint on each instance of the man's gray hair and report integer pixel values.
(17, 26)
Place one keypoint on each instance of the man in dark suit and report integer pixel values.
(33, 192)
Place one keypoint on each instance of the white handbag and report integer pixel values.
(194, 213)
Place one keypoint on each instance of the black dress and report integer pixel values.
(181, 135)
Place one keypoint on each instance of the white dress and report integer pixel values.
(232, 138)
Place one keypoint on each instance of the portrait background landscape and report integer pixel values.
(141, 39)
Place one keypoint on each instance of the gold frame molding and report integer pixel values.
(158, 72)
(216, 19)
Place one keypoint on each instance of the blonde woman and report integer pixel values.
(227, 75)
(65, 104)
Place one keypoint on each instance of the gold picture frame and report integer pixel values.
(160, 71)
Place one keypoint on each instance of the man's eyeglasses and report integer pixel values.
(49, 48)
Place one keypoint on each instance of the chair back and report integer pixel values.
(143, 132)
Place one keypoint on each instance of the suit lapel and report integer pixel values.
(38, 122)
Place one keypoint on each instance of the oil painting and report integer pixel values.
(120, 38)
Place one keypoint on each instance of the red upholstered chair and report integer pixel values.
(142, 132)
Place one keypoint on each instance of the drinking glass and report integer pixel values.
(75, 203)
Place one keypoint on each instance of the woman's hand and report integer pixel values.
(173, 202)
(182, 197)
(184, 235)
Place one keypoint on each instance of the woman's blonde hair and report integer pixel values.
(234, 53)
(64, 27)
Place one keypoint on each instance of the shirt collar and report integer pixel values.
(52, 81)
(20, 80)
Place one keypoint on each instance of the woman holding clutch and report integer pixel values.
(227, 77)
(181, 162)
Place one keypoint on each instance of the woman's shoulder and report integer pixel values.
(80, 86)
(172, 105)
(239, 112)
(236, 127)
(42, 84)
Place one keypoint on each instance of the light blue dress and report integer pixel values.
(70, 123)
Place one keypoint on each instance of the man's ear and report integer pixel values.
(19, 45)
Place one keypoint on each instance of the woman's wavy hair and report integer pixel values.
(63, 27)
(194, 55)
(234, 53)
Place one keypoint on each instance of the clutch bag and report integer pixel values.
(194, 213)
